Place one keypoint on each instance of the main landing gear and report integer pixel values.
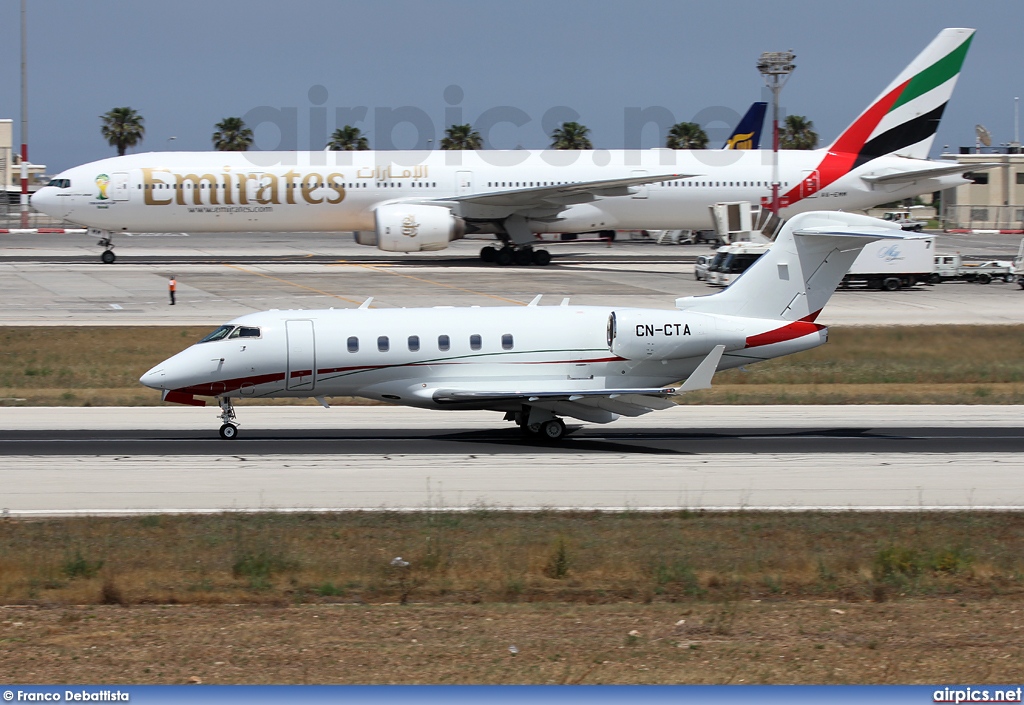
(229, 430)
(538, 424)
(520, 256)
(107, 241)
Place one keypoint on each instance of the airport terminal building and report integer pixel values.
(995, 199)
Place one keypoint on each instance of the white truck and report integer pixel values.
(953, 268)
(1018, 265)
(886, 264)
(905, 219)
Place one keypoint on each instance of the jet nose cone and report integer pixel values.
(155, 378)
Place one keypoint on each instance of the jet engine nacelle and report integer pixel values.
(663, 335)
(412, 228)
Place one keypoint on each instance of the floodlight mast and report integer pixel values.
(24, 120)
(775, 67)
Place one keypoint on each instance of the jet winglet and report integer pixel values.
(701, 377)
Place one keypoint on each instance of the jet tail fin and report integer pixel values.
(796, 277)
(904, 118)
(747, 134)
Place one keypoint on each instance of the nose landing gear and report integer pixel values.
(107, 241)
(229, 429)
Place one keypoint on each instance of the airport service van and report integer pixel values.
(886, 264)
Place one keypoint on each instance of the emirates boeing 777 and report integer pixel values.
(407, 201)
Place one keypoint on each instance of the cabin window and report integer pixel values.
(414, 343)
(353, 344)
(218, 334)
(245, 332)
(444, 343)
(475, 342)
(506, 342)
(383, 344)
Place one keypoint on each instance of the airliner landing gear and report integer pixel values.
(228, 431)
(107, 241)
(521, 256)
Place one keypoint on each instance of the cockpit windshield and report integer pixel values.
(60, 183)
(218, 334)
(232, 332)
(245, 332)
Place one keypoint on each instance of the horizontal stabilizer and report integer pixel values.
(899, 177)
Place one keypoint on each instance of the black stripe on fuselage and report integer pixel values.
(903, 135)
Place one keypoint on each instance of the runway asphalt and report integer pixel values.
(74, 461)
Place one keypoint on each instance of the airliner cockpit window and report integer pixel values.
(218, 334)
(60, 183)
(246, 332)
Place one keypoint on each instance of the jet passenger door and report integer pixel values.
(119, 186)
(464, 183)
(301, 374)
(809, 184)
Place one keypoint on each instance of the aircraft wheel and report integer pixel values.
(488, 254)
(553, 430)
(229, 432)
(522, 257)
(983, 278)
(108, 257)
(541, 258)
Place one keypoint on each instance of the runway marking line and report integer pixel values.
(291, 283)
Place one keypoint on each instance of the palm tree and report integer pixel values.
(571, 135)
(122, 128)
(462, 137)
(348, 139)
(686, 135)
(232, 135)
(798, 133)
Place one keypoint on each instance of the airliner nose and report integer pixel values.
(43, 200)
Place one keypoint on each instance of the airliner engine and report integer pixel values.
(412, 228)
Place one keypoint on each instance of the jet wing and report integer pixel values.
(897, 177)
(496, 203)
(583, 403)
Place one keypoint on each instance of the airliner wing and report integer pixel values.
(897, 177)
(562, 194)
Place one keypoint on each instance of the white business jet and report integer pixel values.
(402, 201)
(532, 363)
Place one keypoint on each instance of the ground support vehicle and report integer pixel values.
(953, 268)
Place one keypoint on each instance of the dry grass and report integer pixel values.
(924, 641)
(100, 366)
(506, 557)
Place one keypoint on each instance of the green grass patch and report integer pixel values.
(570, 557)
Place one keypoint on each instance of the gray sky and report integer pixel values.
(185, 65)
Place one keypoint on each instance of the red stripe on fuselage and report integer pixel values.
(227, 386)
(791, 331)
